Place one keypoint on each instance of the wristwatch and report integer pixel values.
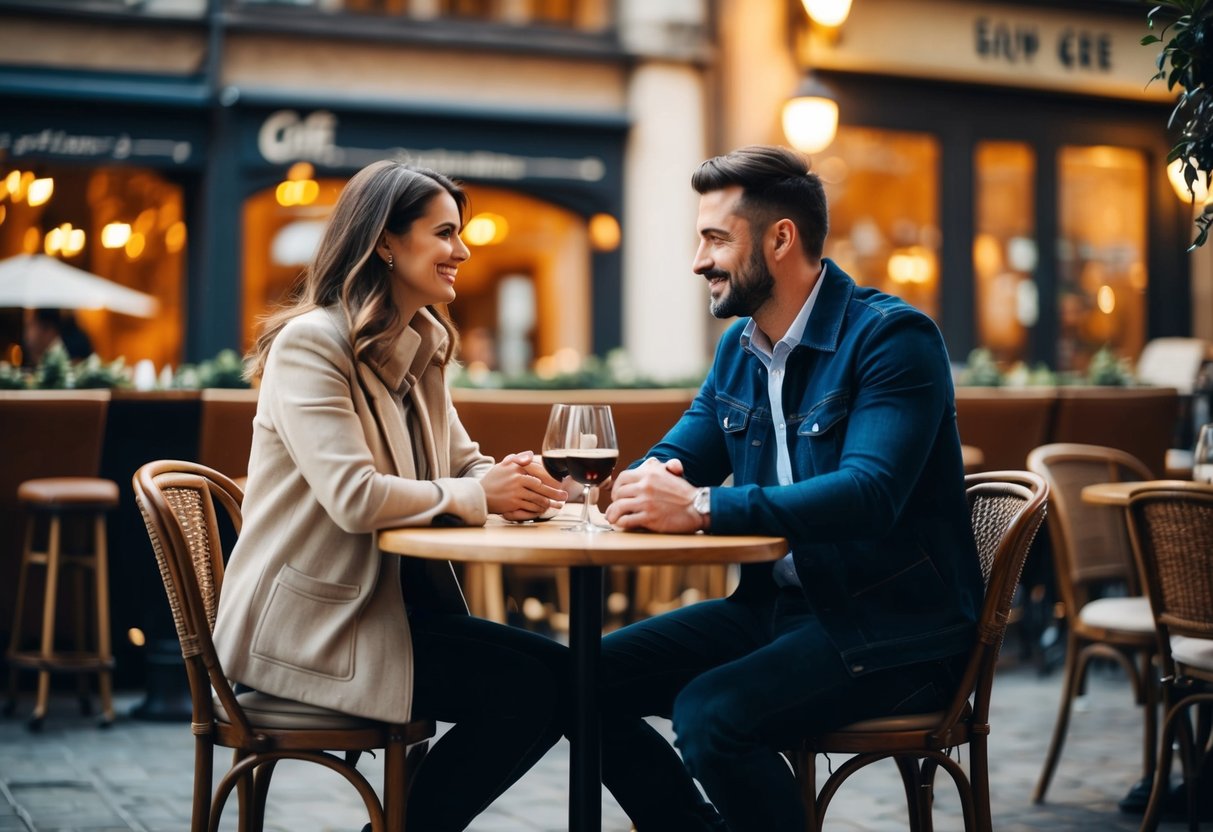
(702, 503)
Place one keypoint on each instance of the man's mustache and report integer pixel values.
(715, 274)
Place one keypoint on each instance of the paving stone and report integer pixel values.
(137, 776)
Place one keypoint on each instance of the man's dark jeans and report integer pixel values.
(740, 679)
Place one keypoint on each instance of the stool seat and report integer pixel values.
(72, 492)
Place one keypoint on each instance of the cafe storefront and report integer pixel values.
(1000, 165)
(215, 212)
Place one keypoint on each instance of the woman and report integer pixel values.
(355, 432)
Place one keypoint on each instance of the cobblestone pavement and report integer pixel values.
(137, 775)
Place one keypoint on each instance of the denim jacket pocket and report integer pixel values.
(731, 416)
(822, 431)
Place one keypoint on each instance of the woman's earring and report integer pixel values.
(391, 262)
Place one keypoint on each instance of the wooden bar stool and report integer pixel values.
(57, 499)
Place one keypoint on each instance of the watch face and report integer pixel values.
(703, 501)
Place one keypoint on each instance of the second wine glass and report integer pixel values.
(589, 453)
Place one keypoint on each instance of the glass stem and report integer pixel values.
(585, 505)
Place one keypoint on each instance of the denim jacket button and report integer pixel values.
(726, 421)
(816, 427)
(857, 668)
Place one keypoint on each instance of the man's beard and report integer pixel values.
(748, 288)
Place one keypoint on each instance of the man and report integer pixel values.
(832, 407)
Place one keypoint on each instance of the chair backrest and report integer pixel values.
(225, 429)
(1172, 528)
(1090, 543)
(1007, 509)
(178, 500)
(43, 433)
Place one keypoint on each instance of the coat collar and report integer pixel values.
(825, 323)
(421, 343)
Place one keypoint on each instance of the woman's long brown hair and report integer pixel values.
(384, 195)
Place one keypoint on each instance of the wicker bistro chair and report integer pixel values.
(1007, 509)
(1172, 528)
(1091, 550)
(178, 504)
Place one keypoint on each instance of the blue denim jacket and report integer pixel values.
(877, 517)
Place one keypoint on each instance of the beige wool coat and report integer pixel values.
(311, 610)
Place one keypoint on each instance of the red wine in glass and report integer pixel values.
(555, 460)
(590, 466)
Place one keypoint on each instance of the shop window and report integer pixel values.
(523, 297)
(882, 187)
(1004, 248)
(125, 225)
(1101, 253)
(583, 14)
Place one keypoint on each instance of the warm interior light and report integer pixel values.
(810, 118)
(300, 171)
(31, 241)
(830, 13)
(136, 636)
(174, 237)
(604, 232)
(39, 191)
(12, 181)
(135, 245)
(65, 240)
(1106, 299)
(486, 229)
(3, 214)
(115, 234)
(1200, 190)
(73, 243)
(912, 265)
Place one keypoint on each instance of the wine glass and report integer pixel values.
(589, 453)
(1202, 457)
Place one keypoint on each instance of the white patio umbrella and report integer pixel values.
(36, 281)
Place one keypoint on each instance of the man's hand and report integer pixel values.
(654, 496)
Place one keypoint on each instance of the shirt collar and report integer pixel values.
(753, 338)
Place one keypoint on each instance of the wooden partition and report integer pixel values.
(225, 430)
(1007, 423)
(1004, 423)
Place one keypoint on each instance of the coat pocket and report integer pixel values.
(309, 624)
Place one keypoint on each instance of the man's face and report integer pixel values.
(729, 257)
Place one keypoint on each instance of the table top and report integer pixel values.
(550, 543)
(1118, 493)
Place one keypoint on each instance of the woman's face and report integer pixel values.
(426, 257)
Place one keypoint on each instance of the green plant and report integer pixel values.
(54, 371)
(981, 370)
(224, 370)
(13, 378)
(1186, 62)
(92, 372)
(1108, 370)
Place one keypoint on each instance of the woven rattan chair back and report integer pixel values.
(1090, 543)
(1006, 509)
(1172, 528)
(1092, 552)
(178, 501)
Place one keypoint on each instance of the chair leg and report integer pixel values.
(1073, 680)
(395, 782)
(1162, 771)
(204, 763)
(1149, 686)
(14, 642)
(104, 648)
(911, 780)
(979, 782)
(260, 791)
(244, 794)
(48, 622)
(805, 764)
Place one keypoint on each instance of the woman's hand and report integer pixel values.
(518, 488)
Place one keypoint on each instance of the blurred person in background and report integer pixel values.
(355, 432)
(48, 328)
(832, 407)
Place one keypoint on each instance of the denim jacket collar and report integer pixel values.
(825, 324)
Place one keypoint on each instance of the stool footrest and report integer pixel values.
(60, 662)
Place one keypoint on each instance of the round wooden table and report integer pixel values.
(1118, 493)
(551, 544)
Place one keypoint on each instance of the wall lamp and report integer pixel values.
(828, 13)
(810, 116)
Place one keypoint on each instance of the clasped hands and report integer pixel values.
(654, 497)
(518, 488)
